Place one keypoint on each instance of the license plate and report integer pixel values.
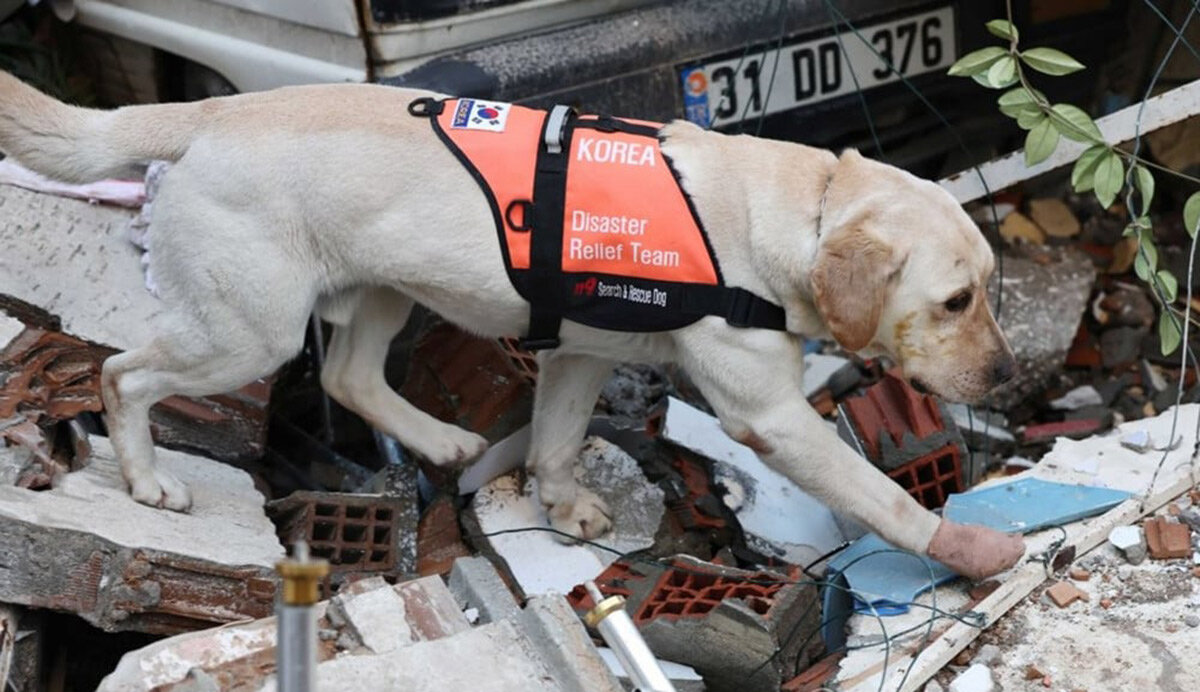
(806, 70)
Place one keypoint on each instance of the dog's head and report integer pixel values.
(902, 271)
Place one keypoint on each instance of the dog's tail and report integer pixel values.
(80, 145)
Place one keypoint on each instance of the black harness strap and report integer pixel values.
(545, 243)
(739, 307)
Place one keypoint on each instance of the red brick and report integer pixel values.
(1074, 429)
(1064, 593)
(931, 478)
(1167, 540)
(893, 408)
(439, 538)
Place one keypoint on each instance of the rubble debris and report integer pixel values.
(988, 654)
(10, 619)
(1131, 543)
(1079, 574)
(1018, 227)
(977, 678)
(540, 561)
(778, 517)
(473, 383)
(475, 583)
(1064, 593)
(910, 437)
(1073, 429)
(633, 396)
(161, 666)
(683, 678)
(85, 547)
(733, 626)
(1054, 217)
(385, 618)
(1043, 306)
(982, 429)
(1138, 441)
(439, 538)
(356, 533)
(1167, 540)
(1078, 398)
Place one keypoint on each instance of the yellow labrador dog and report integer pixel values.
(333, 198)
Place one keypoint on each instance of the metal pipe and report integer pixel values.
(621, 635)
(296, 640)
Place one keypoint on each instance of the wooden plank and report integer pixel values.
(1160, 111)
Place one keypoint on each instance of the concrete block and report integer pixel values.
(538, 560)
(557, 633)
(86, 547)
(475, 583)
(376, 616)
(733, 626)
(356, 533)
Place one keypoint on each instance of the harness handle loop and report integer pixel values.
(424, 107)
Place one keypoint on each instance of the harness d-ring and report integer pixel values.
(526, 207)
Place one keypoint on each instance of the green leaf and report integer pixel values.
(1131, 229)
(1168, 332)
(1141, 267)
(1040, 143)
(1017, 101)
(1146, 260)
(976, 62)
(1085, 168)
(1169, 285)
(1144, 182)
(1191, 214)
(1110, 175)
(1079, 125)
(1050, 61)
(1028, 121)
(1002, 73)
(1003, 28)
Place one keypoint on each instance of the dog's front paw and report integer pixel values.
(975, 552)
(162, 490)
(452, 447)
(586, 517)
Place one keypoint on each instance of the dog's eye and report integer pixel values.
(959, 302)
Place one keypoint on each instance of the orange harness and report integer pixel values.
(593, 224)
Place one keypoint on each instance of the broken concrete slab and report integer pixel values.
(1130, 541)
(1078, 398)
(86, 547)
(539, 561)
(778, 517)
(163, 664)
(554, 628)
(1045, 295)
(384, 618)
(477, 584)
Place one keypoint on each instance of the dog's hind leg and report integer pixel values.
(568, 386)
(191, 364)
(353, 375)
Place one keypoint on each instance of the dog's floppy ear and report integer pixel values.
(849, 282)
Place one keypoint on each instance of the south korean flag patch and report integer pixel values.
(473, 114)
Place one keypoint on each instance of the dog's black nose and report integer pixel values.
(1004, 369)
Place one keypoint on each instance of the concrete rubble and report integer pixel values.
(412, 635)
(85, 547)
(539, 561)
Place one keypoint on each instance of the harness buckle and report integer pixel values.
(556, 124)
(741, 306)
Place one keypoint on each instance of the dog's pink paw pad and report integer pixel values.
(975, 552)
